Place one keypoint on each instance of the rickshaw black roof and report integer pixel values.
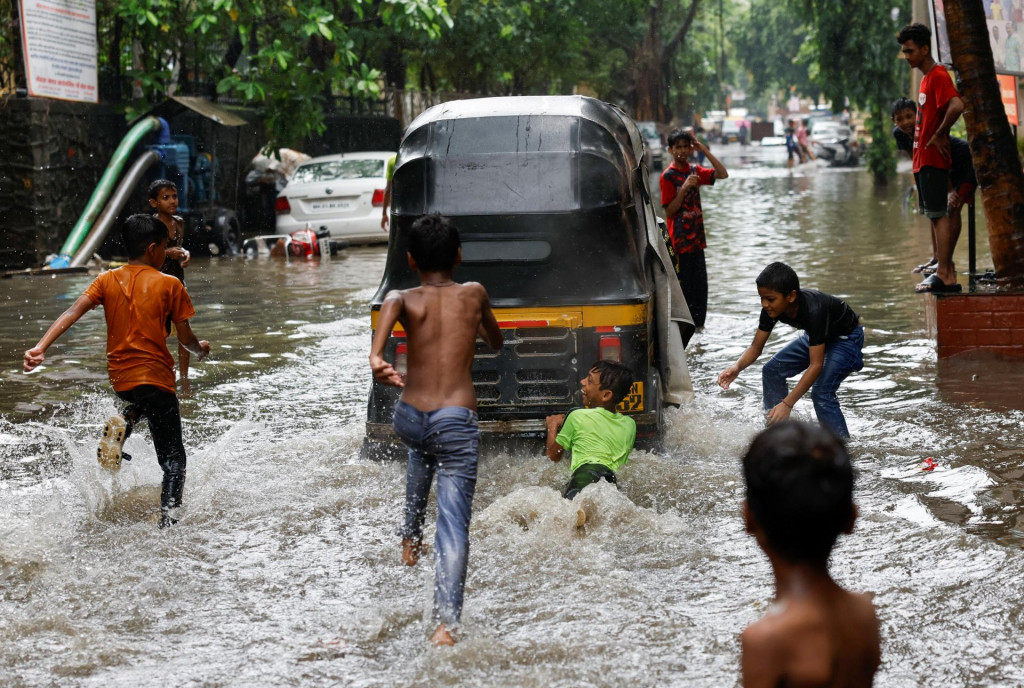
(548, 194)
(604, 114)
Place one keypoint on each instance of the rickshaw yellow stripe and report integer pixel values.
(592, 316)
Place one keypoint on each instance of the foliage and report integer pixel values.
(292, 57)
(769, 45)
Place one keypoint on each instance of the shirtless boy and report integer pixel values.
(436, 415)
(799, 499)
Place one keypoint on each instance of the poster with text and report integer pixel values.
(58, 38)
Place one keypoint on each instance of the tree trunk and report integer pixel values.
(993, 146)
(648, 84)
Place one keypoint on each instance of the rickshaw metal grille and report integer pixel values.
(536, 367)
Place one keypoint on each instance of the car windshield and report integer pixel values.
(338, 169)
(648, 129)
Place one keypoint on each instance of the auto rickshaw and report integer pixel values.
(553, 205)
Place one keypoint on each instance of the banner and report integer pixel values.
(58, 38)
(1005, 19)
(1008, 92)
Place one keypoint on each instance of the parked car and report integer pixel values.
(834, 142)
(652, 141)
(559, 225)
(342, 193)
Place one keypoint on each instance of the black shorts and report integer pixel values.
(932, 191)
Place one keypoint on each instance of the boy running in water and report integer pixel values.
(137, 301)
(436, 415)
(799, 499)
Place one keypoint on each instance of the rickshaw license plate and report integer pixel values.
(634, 401)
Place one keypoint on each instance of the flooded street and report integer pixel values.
(285, 569)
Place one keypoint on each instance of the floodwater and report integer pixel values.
(285, 568)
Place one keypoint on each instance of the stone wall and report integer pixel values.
(990, 323)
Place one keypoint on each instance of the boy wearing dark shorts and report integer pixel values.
(962, 180)
(599, 438)
(799, 500)
(436, 416)
(137, 300)
(939, 106)
(163, 198)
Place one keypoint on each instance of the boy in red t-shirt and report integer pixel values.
(939, 106)
(680, 197)
(137, 300)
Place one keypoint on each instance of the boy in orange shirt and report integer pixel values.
(137, 301)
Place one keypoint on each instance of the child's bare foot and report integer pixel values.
(412, 550)
(442, 637)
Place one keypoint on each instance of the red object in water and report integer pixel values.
(929, 464)
(304, 244)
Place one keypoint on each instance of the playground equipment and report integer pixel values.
(186, 160)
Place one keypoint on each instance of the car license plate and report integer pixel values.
(634, 401)
(330, 205)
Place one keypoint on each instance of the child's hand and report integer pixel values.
(33, 357)
(779, 413)
(186, 258)
(700, 146)
(726, 377)
(385, 373)
(205, 346)
(554, 421)
(691, 183)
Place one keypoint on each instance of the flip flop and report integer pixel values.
(925, 267)
(935, 285)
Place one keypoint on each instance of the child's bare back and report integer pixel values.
(441, 323)
(813, 638)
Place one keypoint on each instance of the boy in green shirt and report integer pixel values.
(599, 438)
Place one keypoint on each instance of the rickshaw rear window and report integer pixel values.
(338, 169)
(504, 251)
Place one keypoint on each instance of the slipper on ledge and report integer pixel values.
(926, 267)
(936, 286)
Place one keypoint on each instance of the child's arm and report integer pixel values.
(785, 407)
(489, 328)
(726, 377)
(188, 339)
(720, 171)
(552, 448)
(390, 311)
(37, 354)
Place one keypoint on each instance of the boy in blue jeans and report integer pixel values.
(599, 438)
(436, 415)
(828, 351)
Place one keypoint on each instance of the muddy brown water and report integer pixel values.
(285, 570)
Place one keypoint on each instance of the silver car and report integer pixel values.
(343, 193)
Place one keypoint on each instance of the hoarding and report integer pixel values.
(58, 39)
(1005, 19)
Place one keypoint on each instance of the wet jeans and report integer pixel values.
(587, 474)
(161, 409)
(842, 357)
(445, 441)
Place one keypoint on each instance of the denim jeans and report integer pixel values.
(842, 357)
(445, 440)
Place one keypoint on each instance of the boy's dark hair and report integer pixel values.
(901, 104)
(778, 277)
(614, 377)
(434, 242)
(141, 230)
(919, 33)
(679, 135)
(799, 489)
(160, 184)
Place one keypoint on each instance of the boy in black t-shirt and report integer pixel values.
(828, 351)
